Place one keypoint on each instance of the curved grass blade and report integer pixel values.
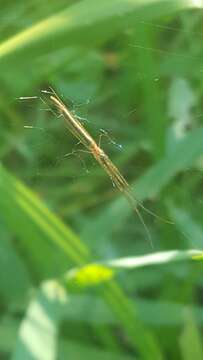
(162, 257)
(74, 25)
(42, 234)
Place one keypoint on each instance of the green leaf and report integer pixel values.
(8, 334)
(70, 350)
(170, 313)
(180, 104)
(14, 277)
(75, 24)
(94, 274)
(39, 329)
(190, 339)
(41, 233)
(154, 259)
(38, 227)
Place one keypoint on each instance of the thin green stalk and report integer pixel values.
(141, 338)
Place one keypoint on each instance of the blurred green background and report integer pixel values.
(78, 276)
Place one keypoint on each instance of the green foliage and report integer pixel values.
(78, 278)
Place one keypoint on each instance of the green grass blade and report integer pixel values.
(39, 329)
(14, 276)
(171, 313)
(73, 350)
(163, 257)
(64, 27)
(24, 213)
(98, 273)
(190, 339)
(42, 234)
